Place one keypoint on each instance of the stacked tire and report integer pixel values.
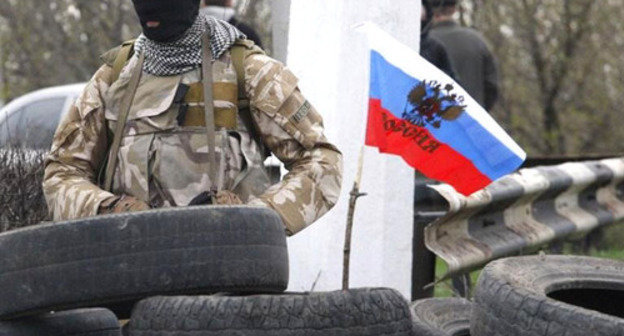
(533, 296)
(554, 295)
(442, 317)
(80, 322)
(363, 312)
(170, 266)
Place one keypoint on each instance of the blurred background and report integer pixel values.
(561, 71)
(55, 42)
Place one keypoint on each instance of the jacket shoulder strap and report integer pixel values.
(240, 51)
(117, 57)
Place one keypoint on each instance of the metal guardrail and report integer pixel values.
(525, 211)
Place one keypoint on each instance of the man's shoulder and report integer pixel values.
(431, 41)
(430, 45)
(261, 65)
(454, 31)
(452, 27)
(478, 39)
(472, 32)
(247, 30)
(110, 56)
(247, 51)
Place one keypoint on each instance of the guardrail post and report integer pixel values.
(423, 262)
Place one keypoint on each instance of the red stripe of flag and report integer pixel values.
(421, 150)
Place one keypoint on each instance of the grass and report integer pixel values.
(611, 254)
(444, 289)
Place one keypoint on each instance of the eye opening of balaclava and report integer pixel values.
(174, 16)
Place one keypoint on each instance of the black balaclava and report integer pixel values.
(175, 17)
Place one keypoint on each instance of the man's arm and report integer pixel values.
(78, 149)
(293, 130)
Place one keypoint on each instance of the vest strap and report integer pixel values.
(239, 51)
(207, 80)
(125, 52)
(124, 109)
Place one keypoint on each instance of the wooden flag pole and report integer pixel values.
(355, 194)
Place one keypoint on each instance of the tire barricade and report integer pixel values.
(526, 210)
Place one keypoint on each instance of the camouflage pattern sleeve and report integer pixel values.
(78, 149)
(293, 130)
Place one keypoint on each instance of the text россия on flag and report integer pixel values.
(418, 112)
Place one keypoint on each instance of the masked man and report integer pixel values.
(184, 116)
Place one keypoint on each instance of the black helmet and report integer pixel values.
(174, 17)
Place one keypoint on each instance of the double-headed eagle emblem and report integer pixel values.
(430, 104)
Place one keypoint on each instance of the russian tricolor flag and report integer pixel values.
(418, 112)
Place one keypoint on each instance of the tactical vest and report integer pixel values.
(162, 156)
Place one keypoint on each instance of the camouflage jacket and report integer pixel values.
(166, 165)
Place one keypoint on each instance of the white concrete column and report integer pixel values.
(332, 60)
(280, 13)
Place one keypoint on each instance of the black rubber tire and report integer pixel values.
(114, 261)
(442, 317)
(548, 296)
(81, 322)
(362, 312)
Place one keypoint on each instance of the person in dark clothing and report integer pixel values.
(431, 49)
(223, 10)
(470, 55)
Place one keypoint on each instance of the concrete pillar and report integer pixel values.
(280, 13)
(332, 60)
